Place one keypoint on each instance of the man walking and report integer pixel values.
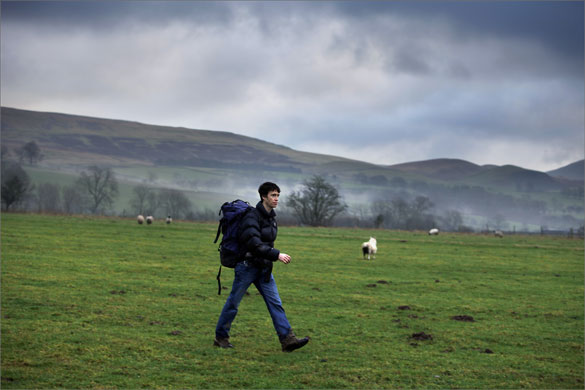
(258, 232)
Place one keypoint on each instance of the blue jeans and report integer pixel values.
(245, 275)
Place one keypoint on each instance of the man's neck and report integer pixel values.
(266, 207)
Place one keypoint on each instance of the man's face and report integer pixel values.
(271, 200)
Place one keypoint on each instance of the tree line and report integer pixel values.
(316, 203)
(93, 192)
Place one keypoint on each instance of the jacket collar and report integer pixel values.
(263, 212)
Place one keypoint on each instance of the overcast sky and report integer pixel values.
(383, 82)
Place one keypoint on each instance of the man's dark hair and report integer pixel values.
(265, 188)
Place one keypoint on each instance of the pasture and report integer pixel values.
(91, 302)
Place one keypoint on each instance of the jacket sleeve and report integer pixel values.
(250, 238)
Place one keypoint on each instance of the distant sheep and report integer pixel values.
(149, 220)
(433, 232)
(169, 220)
(140, 219)
(369, 248)
(498, 233)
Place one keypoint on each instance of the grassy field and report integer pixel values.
(104, 303)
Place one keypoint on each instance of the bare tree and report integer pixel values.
(451, 220)
(30, 152)
(421, 204)
(317, 203)
(73, 200)
(401, 214)
(49, 197)
(152, 203)
(139, 203)
(175, 203)
(381, 210)
(101, 186)
(15, 185)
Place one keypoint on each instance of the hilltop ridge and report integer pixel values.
(70, 139)
(443, 168)
(574, 171)
(65, 138)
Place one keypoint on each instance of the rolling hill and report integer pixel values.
(71, 139)
(209, 165)
(507, 177)
(445, 169)
(574, 171)
(516, 178)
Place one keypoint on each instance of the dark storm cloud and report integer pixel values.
(114, 14)
(555, 26)
(559, 25)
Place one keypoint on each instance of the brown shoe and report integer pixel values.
(223, 343)
(291, 342)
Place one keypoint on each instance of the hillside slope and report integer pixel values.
(72, 140)
(444, 168)
(215, 166)
(574, 171)
(517, 179)
(69, 139)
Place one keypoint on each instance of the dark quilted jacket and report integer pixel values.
(258, 231)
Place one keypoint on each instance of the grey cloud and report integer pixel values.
(558, 24)
(417, 75)
(555, 27)
(115, 14)
(409, 61)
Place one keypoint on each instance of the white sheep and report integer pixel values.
(169, 220)
(149, 220)
(140, 219)
(370, 248)
(498, 233)
(433, 232)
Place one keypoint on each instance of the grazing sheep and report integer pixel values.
(149, 220)
(169, 220)
(433, 232)
(140, 219)
(498, 233)
(369, 248)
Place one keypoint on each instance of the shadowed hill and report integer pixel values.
(518, 179)
(77, 141)
(443, 168)
(69, 139)
(574, 171)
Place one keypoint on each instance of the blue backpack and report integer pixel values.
(229, 226)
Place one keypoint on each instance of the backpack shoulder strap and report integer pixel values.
(218, 232)
(220, 221)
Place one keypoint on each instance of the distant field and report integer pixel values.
(90, 302)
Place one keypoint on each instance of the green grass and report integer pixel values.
(92, 302)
